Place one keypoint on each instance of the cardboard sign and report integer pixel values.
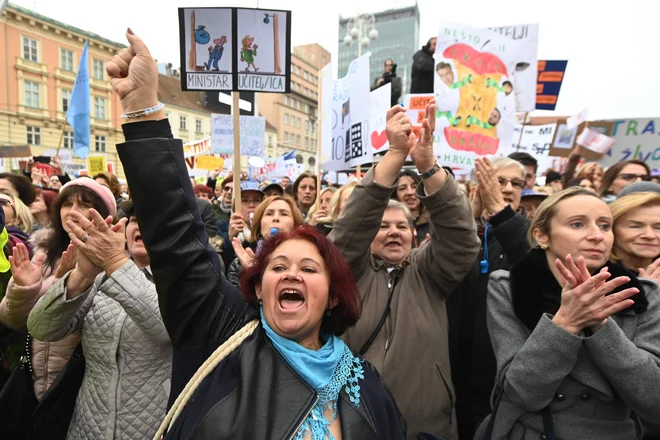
(346, 111)
(96, 164)
(526, 62)
(235, 49)
(635, 139)
(253, 135)
(210, 162)
(595, 141)
(380, 103)
(565, 139)
(15, 151)
(474, 92)
(551, 75)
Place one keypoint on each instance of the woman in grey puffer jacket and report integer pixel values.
(127, 349)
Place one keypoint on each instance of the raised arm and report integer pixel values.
(358, 225)
(196, 301)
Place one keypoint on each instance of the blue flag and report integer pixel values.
(79, 108)
(290, 155)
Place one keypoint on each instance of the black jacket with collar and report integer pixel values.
(473, 366)
(253, 393)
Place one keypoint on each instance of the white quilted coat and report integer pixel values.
(127, 351)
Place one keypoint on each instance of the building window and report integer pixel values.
(306, 125)
(298, 123)
(31, 94)
(298, 140)
(99, 108)
(286, 100)
(305, 75)
(97, 69)
(299, 158)
(183, 123)
(30, 49)
(286, 137)
(286, 119)
(311, 161)
(66, 98)
(198, 125)
(33, 135)
(306, 108)
(306, 141)
(298, 70)
(99, 144)
(67, 140)
(66, 60)
(298, 106)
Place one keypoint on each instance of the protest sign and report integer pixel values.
(209, 162)
(415, 105)
(535, 140)
(575, 120)
(15, 151)
(566, 139)
(345, 111)
(635, 139)
(380, 104)
(252, 135)
(474, 92)
(526, 63)
(595, 141)
(96, 164)
(235, 49)
(551, 74)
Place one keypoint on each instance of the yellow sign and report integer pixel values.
(210, 162)
(96, 164)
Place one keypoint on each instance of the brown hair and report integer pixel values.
(547, 209)
(255, 232)
(300, 179)
(113, 182)
(612, 173)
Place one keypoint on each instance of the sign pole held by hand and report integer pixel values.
(319, 151)
(522, 130)
(236, 112)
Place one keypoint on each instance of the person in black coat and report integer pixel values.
(422, 69)
(292, 375)
(503, 234)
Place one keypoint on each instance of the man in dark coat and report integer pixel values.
(422, 69)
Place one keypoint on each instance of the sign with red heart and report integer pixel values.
(378, 139)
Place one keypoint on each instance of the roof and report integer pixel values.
(169, 92)
(43, 18)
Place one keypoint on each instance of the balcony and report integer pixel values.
(30, 66)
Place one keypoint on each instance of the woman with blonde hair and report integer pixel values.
(319, 213)
(275, 214)
(337, 205)
(575, 336)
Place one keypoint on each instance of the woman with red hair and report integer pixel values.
(285, 372)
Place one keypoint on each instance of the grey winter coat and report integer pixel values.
(127, 351)
(591, 383)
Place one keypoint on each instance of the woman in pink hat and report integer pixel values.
(32, 278)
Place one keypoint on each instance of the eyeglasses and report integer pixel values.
(250, 201)
(515, 182)
(629, 177)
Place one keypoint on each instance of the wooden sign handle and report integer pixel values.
(236, 112)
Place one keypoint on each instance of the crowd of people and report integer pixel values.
(404, 305)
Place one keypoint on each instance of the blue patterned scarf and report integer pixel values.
(327, 371)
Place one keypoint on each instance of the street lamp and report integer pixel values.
(362, 29)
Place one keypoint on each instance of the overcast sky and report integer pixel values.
(614, 64)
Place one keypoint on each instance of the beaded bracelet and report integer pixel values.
(151, 110)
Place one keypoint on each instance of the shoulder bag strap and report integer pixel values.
(209, 365)
(499, 392)
(386, 312)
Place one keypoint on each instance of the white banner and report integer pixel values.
(380, 104)
(253, 133)
(346, 111)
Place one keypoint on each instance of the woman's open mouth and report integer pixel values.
(291, 299)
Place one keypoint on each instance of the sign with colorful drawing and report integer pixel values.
(380, 103)
(345, 106)
(235, 49)
(635, 139)
(474, 92)
(525, 71)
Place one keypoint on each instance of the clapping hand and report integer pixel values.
(422, 151)
(24, 271)
(586, 300)
(67, 262)
(244, 255)
(399, 131)
(489, 189)
(652, 272)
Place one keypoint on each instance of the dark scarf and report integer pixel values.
(535, 290)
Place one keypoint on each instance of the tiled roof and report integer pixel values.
(169, 92)
(43, 18)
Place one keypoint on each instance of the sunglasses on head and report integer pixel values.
(516, 182)
(630, 177)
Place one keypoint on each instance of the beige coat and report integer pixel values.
(411, 351)
(48, 358)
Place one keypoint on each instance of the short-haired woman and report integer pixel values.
(576, 338)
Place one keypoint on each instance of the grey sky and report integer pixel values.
(614, 67)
